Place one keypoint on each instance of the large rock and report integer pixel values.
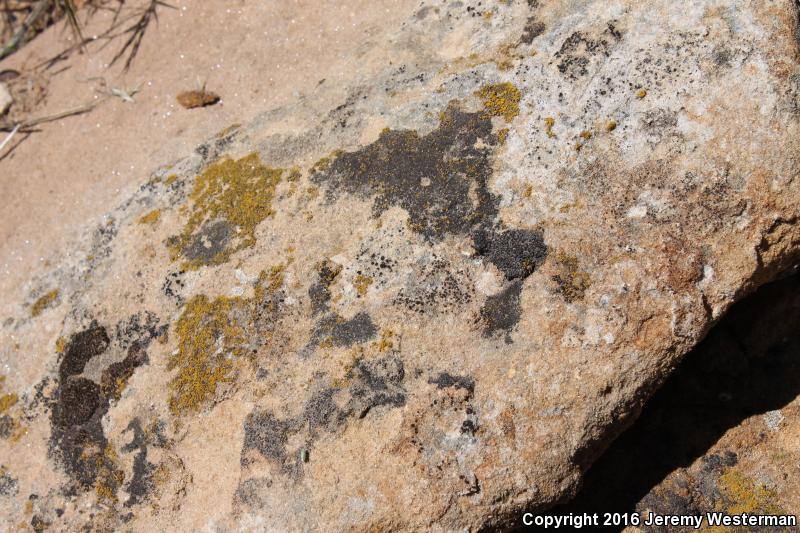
(429, 306)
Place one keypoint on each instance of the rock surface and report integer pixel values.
(429, 304)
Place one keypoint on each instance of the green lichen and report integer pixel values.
(500, 100)
(44, 301)
(236, 193)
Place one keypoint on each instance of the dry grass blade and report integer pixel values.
(9, 137)
(136, 33)
(70, 12)
(23, 32)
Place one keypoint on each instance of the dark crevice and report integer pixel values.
(749, 364)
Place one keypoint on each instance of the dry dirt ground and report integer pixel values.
(255, 55)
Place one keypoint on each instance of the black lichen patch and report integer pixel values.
(81, 348)
(79, 407)
(376, 383)
(173, 285)
(319, 292)
(436, 287)
(515, 252)
(440, 178)
(77, 440)
(322, 412)
(333, 330)
(502, 311)
(77, 432)
(444, 380)
(533, 28)
(139, 328)
(210, 241)
(9, 486)
(579, 48)
(6, 426)
(141, 483)
(370, 384)
(266, 434)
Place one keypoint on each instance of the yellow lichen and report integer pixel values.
(641, 93)
(151, 217)
(385, 343)
(172, 178)
(502, 135)
(275, 278)
(212, 335)
(743, 495)
(500, 100)
(586, 135)
(611, 125)
(571, 280)
(238, 192)
(61, 344)
(109, 476)
(362, 283)
(207, 335)
(43, 302)
(7, 401)
(549, 122)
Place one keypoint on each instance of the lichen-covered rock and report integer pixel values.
(429, 306)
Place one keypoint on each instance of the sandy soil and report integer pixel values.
(255, 55)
